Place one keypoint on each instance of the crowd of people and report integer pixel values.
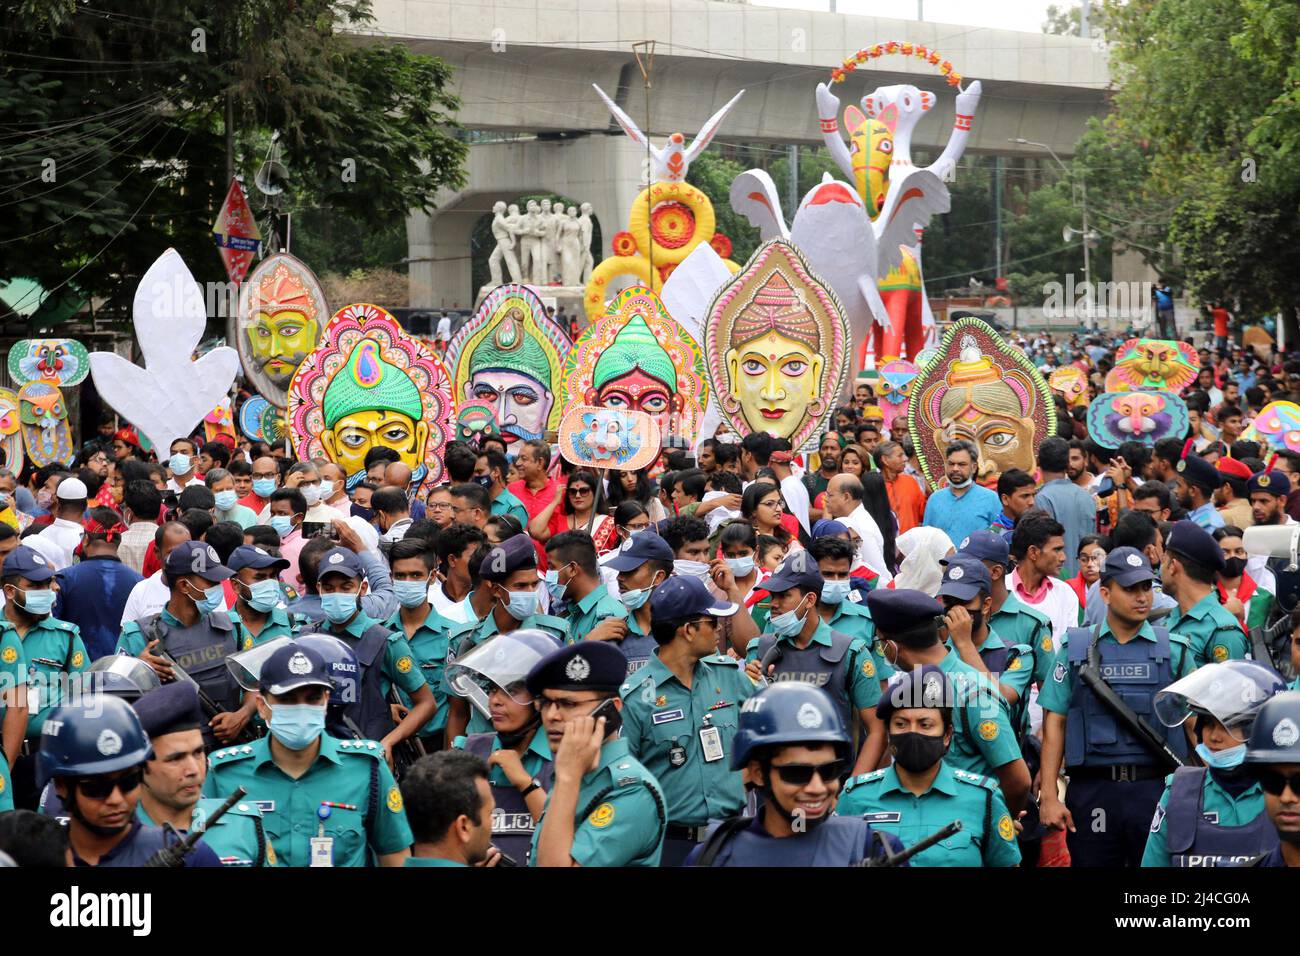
(738, 656)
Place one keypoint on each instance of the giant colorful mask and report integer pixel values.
(43, 367)
(510, 356)
(1146, 417)
(259, 420)
(620, 438)
(776, 346)
(1071, 383)
(894, 389)
(282, 311)
(637, 357)
(1153, 364)
(11, 436)
(978, 388)
(370, 385)
(1277, 425)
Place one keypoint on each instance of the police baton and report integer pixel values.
(174, 855)
(890, 858)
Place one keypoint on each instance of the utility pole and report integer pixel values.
(793, 205)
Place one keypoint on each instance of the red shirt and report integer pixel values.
(534, 502)
(253, 500)
(1220, 322)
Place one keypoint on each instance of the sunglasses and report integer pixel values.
(575, 492)
(100, 788)
(1273, 783)
(802, 773)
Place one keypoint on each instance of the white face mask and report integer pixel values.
(691, 569)
(311, 493)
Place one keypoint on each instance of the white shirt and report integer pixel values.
(56, 542)
(147, 597)
(458, 611)
(871, 549)
(177, 489)
(444, 328)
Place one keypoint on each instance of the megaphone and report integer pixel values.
(273, 177)
(1274, 541)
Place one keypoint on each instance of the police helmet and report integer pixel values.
(344, 668)
(246, 666)
(790, 712)
(1232, 692)
(122, 676)
(1275, 737)
(504, 661)
(99, 735)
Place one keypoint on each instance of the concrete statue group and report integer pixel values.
(542, 245)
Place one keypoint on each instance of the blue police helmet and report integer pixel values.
(344, 668)
(98, 735)
(790, 712)
(1275, 738)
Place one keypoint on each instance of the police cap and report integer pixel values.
(509, 556)
(170, 709)
(638, 549)
(897, 611)
(1190, 541)
(965, 577)
(1271, 483)
(196, 557)
(798, 571)
(292, 666)
(926, 686)
(339, 561)
(587, 665)
(1126, 567)
(28, 563)
(251, 556)
(679, 598)
(985, 545)
(1195, 470)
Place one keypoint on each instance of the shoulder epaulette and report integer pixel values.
(975, 779)
(229, 755)
(371, 748)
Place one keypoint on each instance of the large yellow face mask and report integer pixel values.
(280, 342)
(776, 379)
(354, 435)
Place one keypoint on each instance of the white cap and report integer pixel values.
(72, 489)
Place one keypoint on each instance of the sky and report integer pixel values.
(1024, 15)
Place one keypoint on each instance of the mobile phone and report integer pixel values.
(613, 719)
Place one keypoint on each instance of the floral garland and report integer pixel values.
(933, 57)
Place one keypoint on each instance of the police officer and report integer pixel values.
(1213, 815)
(919, 793)
(173, 780)
(1192, 560)
(196, 634)
(425, 630)
(517, 751)
(1115, 779)
(259, 613)
(575, 586)
(606, 808)
(793, 747)
(52, 648)
(384, 656)
(13, 709)
(94, 752)
(324, 801)
(1195, 482)
(643, 563)
(808, 650)
(451, 810)
(1273, 757)
(843, 607)
(983, 741)
(681, 711)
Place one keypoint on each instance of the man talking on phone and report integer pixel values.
(604, 808)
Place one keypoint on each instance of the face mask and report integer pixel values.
(835, 592)
(788, 624)
(962, 484)
(917, 752)
(365, 514)
(411, 593)
(311, 493)
(1228, 759)
(553, 585)
(38, 603)
(1233, 567)
(338, 607)
(283, 524)
(211, 600)
(523, 604)
(263, 595)
(263, 487)
(483, 481)
(180, 464)
(297, 726)
(225, 500)
(4, 500)
(44, 497)
(635, 599)
(691, 569)
(326, 490)
(741, 567)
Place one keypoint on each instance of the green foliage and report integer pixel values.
(711, 173)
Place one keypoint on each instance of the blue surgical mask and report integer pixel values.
(297, 726)
(263, 487)
(523, 604)
(411, 593)
(264, 595)
(338, 607)
(1228, 759)
(283, 524)
(225, 500)
(635, 599)
(553, 585)
(834, 592)
(741, 567)
(326, 490)
(38, 603)
(180, 464)
(788, 624)
(211, 600)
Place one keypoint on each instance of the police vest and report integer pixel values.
(1195, 837)
(816, 664)
(836, 841)
(201, 652)
(512, 824)
(638, 649)
(367, 709)
(1136, 670)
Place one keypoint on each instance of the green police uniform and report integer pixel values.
(429, 861)
(52, 647)
(474, 635)
(1018, 663)
(1018, 623)
(399, 660)
(279, 623)
(13, 673)
(1055, 694)
(238, 838)
(350, 772)
(536, 757)
(662, 723)
(982, 736)
(429, 646)
(1230, 810)
(987, 837)
(854, 619)
(597, 606)
(507, 504)
(621, 814)
(862, 678)
(1211, 631)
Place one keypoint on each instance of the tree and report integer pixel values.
(711, 173)
(136, 122)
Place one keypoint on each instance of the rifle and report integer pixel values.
(890, 858)
(1263, 638)
(1090, 674)
(174, 855)
(411, 749)
(210, 707)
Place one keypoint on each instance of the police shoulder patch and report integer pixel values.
(248, 643)
(1047, 643)
(602, 816)
(868, 668)
(403, 665)
(78, 659)
(1158, 819)
(988, 729)
(1006, 829)
(1016, 664)
(1220, 653)
(9, 655)
(394, 800)
(270, 853)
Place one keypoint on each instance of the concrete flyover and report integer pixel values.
(524, 68)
